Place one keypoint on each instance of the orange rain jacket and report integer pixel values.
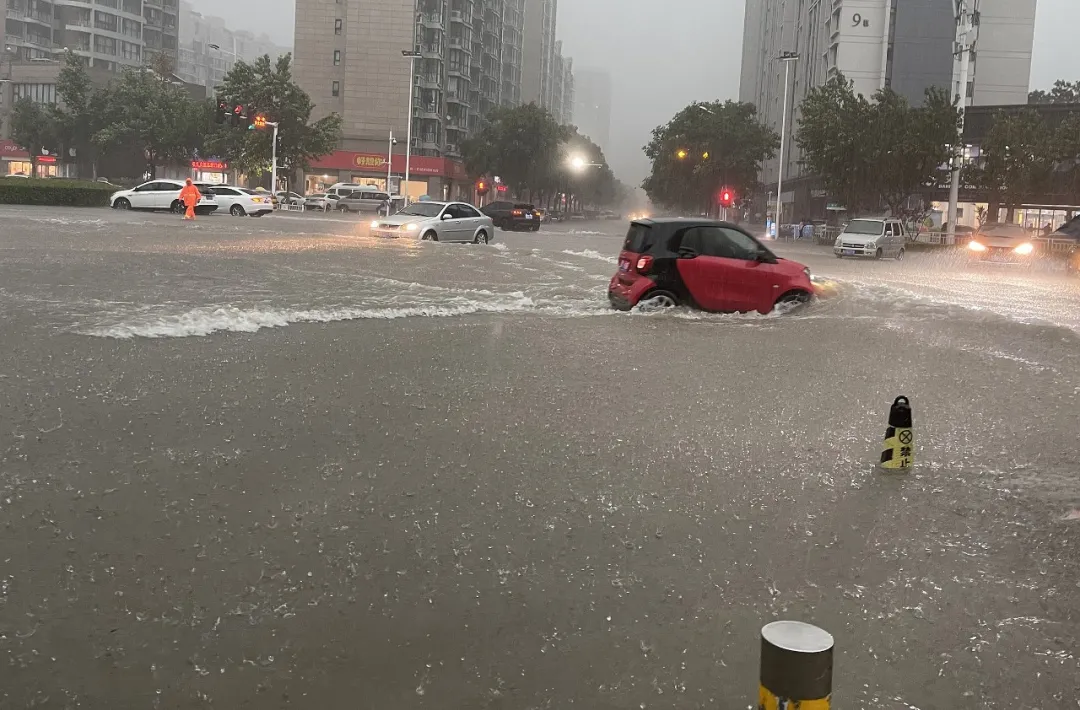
(190, 195)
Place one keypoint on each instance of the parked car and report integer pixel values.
(875, 238)
(707, 264)
(437, 222)
(513, 215)
(162, 195)
(1008, 243)
(290, 198)
(320, 201)
(240, 201)
(364, 201)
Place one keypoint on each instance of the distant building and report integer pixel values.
(208, 48)
(538, 52)
(563, 87)
(109, 34)
(592, 105)
(905, 45)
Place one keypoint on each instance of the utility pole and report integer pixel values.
(966, 21)
(788, 58)
(273, 159)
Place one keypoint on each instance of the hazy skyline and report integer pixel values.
(664, 57)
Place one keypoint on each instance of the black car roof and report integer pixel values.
(685, 222)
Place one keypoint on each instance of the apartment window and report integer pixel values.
(337, 27)
(335, 88)
(129, 50)
(106, 21)
(104, 45)
(38, 93)
(337, 57)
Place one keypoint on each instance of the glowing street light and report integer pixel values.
(681, 154)
(579, 163)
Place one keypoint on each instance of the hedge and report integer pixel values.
(67, 193)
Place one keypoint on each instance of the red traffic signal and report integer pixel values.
(727, 197)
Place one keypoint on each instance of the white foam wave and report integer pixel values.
(591, 254)
(208, 320)
(585, 233)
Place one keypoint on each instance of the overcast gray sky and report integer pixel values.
(664, 54)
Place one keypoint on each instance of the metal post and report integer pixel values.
(964, 49)
(787, 58)
(408, 131)
(389, 166)
(796, 667)
(273, 161)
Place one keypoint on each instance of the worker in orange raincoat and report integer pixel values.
(190, 196)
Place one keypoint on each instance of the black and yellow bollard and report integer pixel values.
(899, 449)
(796, 667)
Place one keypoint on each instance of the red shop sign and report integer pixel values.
(46, 158)
(214, 165)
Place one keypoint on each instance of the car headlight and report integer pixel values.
(375, 225)
(1025, 248)
(870, 245)
(412, 226)
(975, 246)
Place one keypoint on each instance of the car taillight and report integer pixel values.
(643, 264)
(517, 213)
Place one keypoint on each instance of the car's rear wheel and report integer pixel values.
(481, 237)
(430, 236)
(177, 207)
(658, 301)
(237, 211)
(122, 204)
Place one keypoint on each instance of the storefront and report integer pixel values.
(16, 161)
(438, 178)
(214, 172)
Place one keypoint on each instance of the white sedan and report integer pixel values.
(162, 195)
(437, 222)
(240, 201)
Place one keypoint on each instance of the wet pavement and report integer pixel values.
(276, 463)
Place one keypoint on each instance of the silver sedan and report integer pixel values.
(437, 222)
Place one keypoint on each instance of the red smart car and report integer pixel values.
(714, 266)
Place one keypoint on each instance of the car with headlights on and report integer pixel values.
(436, 222)
(876, 238)
(1001, 243)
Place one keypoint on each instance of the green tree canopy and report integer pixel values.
(1063, 92)
(150, 112)
(877, 151)
(704, 147)
(267, 87)
(33, 127)
(1022, 157)
(522, 145)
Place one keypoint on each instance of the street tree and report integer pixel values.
(79, 114)
(590, 179)
(33, 127)
(1063, 92)
(150, 112)
(1019, 159)
(704, 147)
(877, 152)
(267, 87)
(522, 145)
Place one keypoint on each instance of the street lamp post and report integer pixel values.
(389, 166)
(273, 159)
(963, 52)
(788, 58)
(411, 55)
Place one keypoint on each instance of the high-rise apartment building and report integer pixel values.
(348, 57)
(109, 34)
(903, 44)
(208, 48)
(562, 87)
(592, 105)
(538, 60)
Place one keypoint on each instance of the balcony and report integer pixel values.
(457, 16)
(428, 81)
(453, 97)
(23, 16)
(431, 20)
(459, 70)
(431, 51)
(427, 111)
(459, 43)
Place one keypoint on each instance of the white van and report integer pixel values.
(344, 189)
(875, 238)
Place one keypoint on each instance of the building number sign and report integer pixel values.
(857, 19)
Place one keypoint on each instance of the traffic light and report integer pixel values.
(259, 124)
(237, 115)
(681, 154)
(727, 197)
(222, 112)
(482, 187)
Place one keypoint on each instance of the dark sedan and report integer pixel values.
(513, 216)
